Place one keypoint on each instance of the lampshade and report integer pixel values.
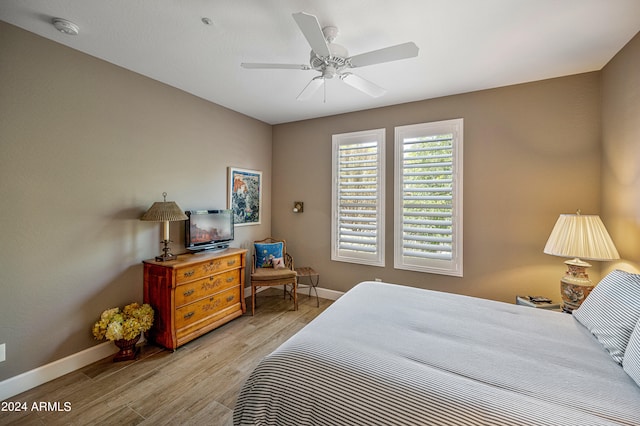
(162, 211)
(581, 236)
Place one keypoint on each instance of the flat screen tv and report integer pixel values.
(208, 229)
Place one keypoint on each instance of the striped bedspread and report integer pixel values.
(385, 354)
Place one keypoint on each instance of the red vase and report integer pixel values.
(128, 349)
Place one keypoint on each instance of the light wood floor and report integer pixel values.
(197, 384)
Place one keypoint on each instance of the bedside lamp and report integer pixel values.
(579, 237)
(164, 211)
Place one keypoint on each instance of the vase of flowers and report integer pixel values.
(123, 327)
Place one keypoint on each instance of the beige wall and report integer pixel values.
(621, 153)
(85, 148)
(531, 152)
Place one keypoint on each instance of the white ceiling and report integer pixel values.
(465, 45)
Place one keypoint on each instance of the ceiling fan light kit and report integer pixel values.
(332, 60)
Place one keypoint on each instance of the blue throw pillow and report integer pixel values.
(265, 253)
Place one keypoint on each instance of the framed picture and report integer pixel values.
(245, 196)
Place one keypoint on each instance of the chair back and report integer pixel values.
(264, 244)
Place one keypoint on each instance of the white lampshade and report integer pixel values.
(581, 236)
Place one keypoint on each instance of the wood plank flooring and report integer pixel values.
(196, 385)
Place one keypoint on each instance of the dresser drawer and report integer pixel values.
(194, 290)
(206, 268)
(196, 311)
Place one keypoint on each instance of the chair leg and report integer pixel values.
(253, 299)
(295, 294)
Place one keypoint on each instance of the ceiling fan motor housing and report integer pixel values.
(337, 60)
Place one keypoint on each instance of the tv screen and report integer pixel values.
(208, 229)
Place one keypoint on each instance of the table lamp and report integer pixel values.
(579, 237)
(164, 211)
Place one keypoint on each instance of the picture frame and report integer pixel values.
(244, 196)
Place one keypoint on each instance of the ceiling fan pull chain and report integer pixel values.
(325, 92)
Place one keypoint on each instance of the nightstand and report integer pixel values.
(525, 301)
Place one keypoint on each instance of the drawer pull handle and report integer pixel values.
(231, 262)
(230, 298)
(230, 279)
(188, 315)
(189, 292)
(189, 273)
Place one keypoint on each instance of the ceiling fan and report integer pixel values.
(333, 60)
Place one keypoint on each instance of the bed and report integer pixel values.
(385, 354)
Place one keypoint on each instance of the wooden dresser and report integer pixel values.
(194, 294)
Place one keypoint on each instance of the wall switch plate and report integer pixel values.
(2, 352)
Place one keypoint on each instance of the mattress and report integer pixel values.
(385, 354)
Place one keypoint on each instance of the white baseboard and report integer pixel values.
(38, 376)
(324, 293)
(41, 375)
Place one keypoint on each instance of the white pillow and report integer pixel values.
(278, 263)
(612, 311)
(631, 362)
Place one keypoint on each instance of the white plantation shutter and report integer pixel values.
(428, 197)
(357, 225)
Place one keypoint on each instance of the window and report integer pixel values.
(357, 220)
(428, 197)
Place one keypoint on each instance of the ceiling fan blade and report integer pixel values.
(251, 65)
(387, 54)
(311, 88)
(363, 85)
(312, 31)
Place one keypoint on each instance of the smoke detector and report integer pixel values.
(64, 26)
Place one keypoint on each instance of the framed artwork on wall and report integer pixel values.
(245, 196)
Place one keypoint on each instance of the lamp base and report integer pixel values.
(167, 255)
(575, 286)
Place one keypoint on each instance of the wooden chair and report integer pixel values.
(270, 276)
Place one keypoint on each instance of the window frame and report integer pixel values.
(453, 266)
(354, 256)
